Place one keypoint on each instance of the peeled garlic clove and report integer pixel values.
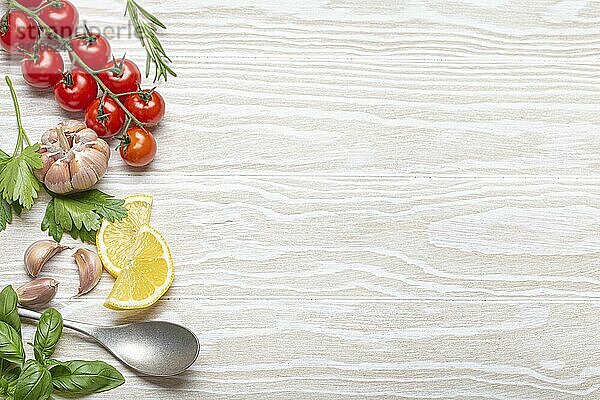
(39, 253)
(90, 270)
(37, 293)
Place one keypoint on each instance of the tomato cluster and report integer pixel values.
(108, 90)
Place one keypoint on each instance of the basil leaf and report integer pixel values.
(12, 374)
(58, 370)
(48, 333)
(85, 377)
(9, 371)
(34, 383)
(11, 346)
(8, 308)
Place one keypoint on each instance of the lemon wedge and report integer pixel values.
(116, 241)
(146, 274)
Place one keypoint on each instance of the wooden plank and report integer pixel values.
(433, 30)
(388, 238)
(313, 349)
(367, 118)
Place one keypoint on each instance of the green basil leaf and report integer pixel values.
(8, 308)
(57, 370)
(48, 333)
(85, 377)
(11, 346)
(9, 371)
(12, 374)
(34, 383)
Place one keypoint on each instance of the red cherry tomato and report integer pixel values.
(93, 49)
(33, 4)
(148, 106)
(62, 18)
(17, 30)
(127, 81)
(76, 91)
(138, 147)
(43, 69)
(106, 118)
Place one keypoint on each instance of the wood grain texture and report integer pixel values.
(333, 349)
(240, 237)
(384, 199)
(366, 118)
(433, 30)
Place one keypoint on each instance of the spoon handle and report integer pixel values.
(76, 326)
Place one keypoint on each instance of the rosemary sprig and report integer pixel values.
(146, 25)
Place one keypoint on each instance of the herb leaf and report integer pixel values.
(146, 25)
(4, 158)
(11, 346)
(84, 377)
(83, 235)
(10, 371)
(81, 214)
(48, 333)
(50, 225)
(34, 383)
(17, 181)
(5, 214)
(8, 308)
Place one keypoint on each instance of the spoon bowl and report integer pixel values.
(154, 348)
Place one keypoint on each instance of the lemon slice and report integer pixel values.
(147, 275)
(116, 241)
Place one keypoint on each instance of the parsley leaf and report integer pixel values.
(50, 225)
(80, 214)
(5, 214)
(4, 158)
(17, 181)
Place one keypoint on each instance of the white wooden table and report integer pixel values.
(364, 199)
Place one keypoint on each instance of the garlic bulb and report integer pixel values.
(74, 158)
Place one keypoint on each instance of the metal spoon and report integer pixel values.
(154, 348)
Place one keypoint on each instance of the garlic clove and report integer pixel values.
(37, 293)
(96, 161)
(72, 126)
(83, 175)
(38, 254)
(101, 146)
(90, 270)
(58, 177)
(85, 136)
(46, 163)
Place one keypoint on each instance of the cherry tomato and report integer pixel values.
(17, 30)
(93, 49)
(33, 4)
(127, 81)
(106, 118)
(62, 18)
(76, 91)
(43, 69)
(148, 106)
(138, 147)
